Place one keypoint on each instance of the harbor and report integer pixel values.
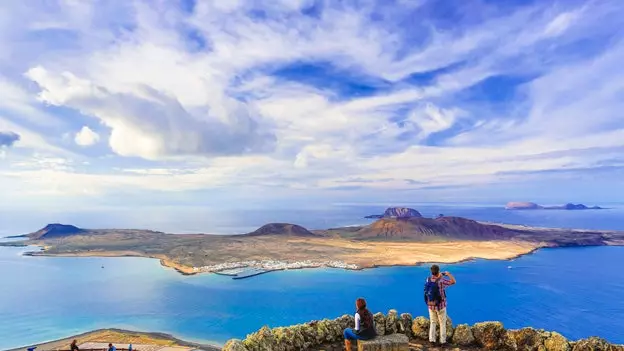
(248, 269)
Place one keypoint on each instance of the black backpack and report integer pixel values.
(432, 292)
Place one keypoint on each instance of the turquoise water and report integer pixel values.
(576, 291)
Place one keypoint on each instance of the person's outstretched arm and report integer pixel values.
(451, 278)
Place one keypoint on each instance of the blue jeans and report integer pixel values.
(349, 334)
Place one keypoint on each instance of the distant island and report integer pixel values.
(402, 237)
(397, 212)
(534, 206)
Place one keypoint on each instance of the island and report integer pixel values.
(404, 241)
(533, 206)
(396, 212)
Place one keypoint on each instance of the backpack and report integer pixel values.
(432, 292)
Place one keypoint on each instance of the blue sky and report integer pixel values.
(310, 102)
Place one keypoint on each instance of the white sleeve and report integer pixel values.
(357, 321)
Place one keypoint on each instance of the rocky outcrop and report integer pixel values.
(281, 229)
(234, 345)
(392, 342)
(397, 212)
(556, 342)
(527, 339)
(405, 324)
(463, 335)
(395, 329)
(593, 344)
(420, 328)
(401, 212)
(392, 322)
(492, 336)
(423, 229)
(380, 323)
(55, 230)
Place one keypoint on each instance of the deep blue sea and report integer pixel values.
(576, 291)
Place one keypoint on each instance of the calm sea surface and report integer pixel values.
(576, 291)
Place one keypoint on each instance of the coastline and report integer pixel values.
(493, 250)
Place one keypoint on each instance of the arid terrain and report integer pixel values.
(386, 242)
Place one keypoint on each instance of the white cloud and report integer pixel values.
(150, 124)
(198, 90)
(86, 137)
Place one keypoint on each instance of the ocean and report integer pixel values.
(575, 291)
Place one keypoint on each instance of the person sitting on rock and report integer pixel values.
(435, 297)
(364, 325)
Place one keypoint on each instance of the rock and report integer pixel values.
(345, 321)
(401, 212)
(527, 339)
(380, 323)
(449, 328)
(463, 335)
(405, 324)
(308, 334)
(286, 229)
(492, 336)
(593, 343)
(392, 321)
(556, 342)
(262, 340)
(420, 328)
(234, 345)
(327, 331)
(392, 342)
(287, 339)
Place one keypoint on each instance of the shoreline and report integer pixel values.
(530, 248)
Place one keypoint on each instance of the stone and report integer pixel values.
(327, 331)
(527, 339)
(262, 340)
(392, 321)
(307, 333)
(288, 338)
(492, 336)
(449, 328)
(345, 321)
(593, 343)
(405, 324)
(420, 328)
(463, 335)
(380, 323)
(234, 345)
(554, 341)
(392, 342)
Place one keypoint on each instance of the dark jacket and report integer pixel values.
(367, 324)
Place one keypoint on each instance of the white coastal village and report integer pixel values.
(271, 265)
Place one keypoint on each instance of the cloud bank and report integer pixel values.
(302, 97)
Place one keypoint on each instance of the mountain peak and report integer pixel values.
(55, 230)
(281, 229)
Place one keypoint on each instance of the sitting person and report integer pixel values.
(364, 325)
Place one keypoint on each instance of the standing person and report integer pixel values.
(111, 347)
(435, 297)
(74, 346)
(364, 325)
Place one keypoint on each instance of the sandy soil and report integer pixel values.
(362, 253)
(119, 336)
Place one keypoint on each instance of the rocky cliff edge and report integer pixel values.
(327, 334)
